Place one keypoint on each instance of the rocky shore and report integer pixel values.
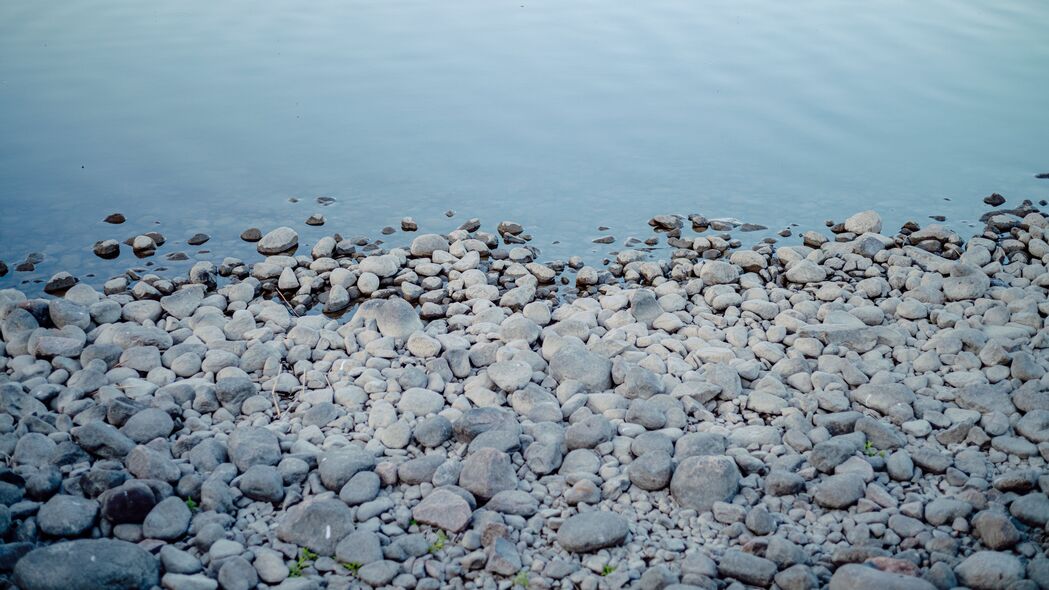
(863, 410)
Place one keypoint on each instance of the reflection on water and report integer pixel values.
(206, 117)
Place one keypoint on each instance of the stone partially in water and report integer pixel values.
(277, 241)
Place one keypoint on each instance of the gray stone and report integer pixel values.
(700, 481)
(337, 467)
(421, 402)
(989, 570)
(277, 241)
(747, 568)
(237, 574)
(1031, 509)
(362, 487)
(588, 432)
(101, 439)
(443, 509)
(253, 445)
(361, 547)
(860, 577)
(168, 520)
(263, 483)
(147, 425)
(487, 472)
(574, 362)
(67, 516)
(88, 564)
(317, 524)
(840, 491)
(424, 245)
(651, 471)
(378, 573)
(587, 532)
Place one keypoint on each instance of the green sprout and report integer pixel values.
(439, 543)
(607, 570)
(870, 451)
(521, 579)
(306, 557)
(353, 566)
(192, 504)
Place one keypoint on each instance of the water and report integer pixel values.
(562, 115)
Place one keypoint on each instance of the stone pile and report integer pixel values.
(858, 411)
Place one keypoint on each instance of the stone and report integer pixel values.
(147, 425)
(893, 400)
(128, 503)
(237, 574)
(59, 282)
(510, 376)
(421, 402)
(168, 520)
(854, 576)
(588, 532)
(864, 222)
(651, 471)
(487, 472)
(1032, 509)
(989, 570)
(317, 524)
(362, 487)
(67, 516)
(424, 245)
(88, 564)
(839, 491)
(574, 362)
(263, 483)
(805, 271)
(747, 568)
(996, 530)
(103, 440)
(443, 509)
(700, 481)
(278, 241)
(253, 445)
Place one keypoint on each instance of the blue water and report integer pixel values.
(562, 115)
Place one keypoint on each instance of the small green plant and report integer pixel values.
(870, 451)
(306, 557)
(521, 579)
(413, 522)
(607, 570)
(192, 504)
(439, 543)
(353, 566)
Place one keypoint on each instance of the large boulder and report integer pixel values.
(88, 564)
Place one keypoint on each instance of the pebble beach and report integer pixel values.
(853, 407)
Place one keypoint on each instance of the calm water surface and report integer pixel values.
(562, 115)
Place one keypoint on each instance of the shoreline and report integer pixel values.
(860, 411)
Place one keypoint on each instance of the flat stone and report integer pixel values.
(587, 532)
